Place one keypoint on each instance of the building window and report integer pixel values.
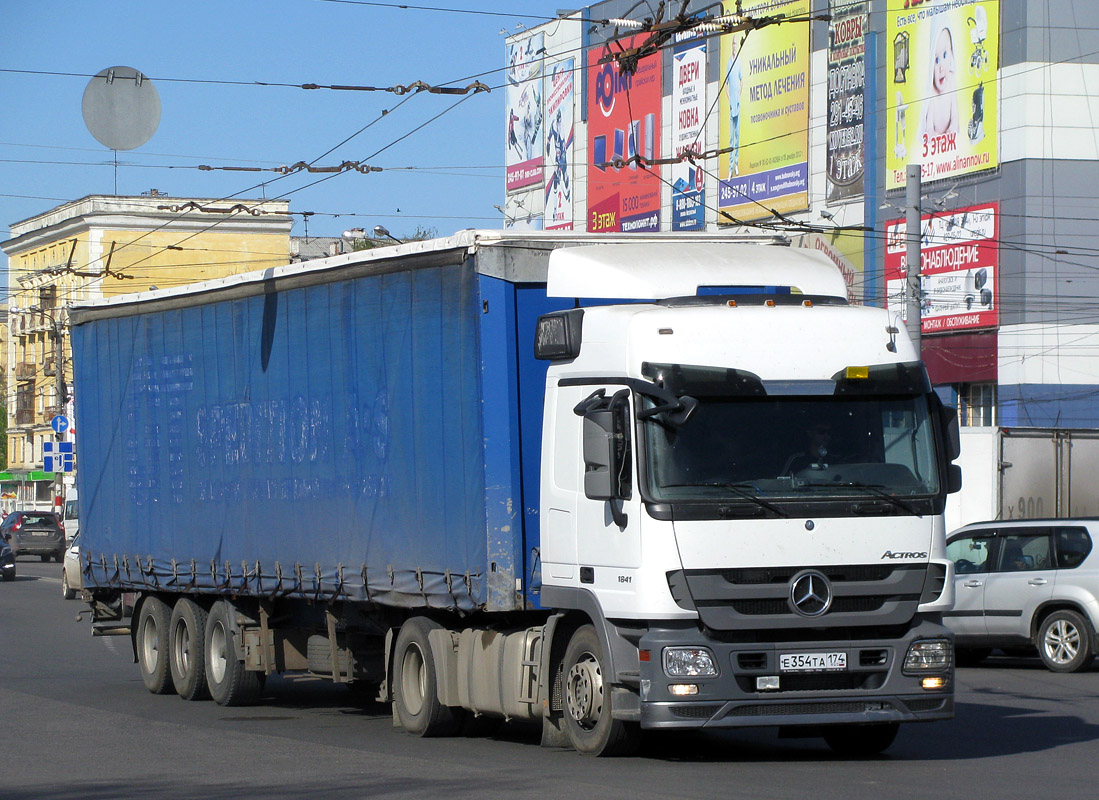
(977, 404)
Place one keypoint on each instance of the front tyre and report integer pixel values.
(1065, 642)
(152, 645)
(861, 740)
(187, 650)
(230, 684)
(591, 728)
(415, 683)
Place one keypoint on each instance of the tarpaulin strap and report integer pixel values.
(389, 569)
(299, 587)
(318, 587)
(259, 578)
(228, 576)
(420, 583)
(450, 586)
(194, 575)
(339, 586)
(149, 570)
(175, 574)
(278, 577)
(469, 585)
(213, 572)
(366, 585)
(126, 565)
(244, 575)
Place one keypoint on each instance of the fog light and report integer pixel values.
(767, 683)
(936, 682)
(683, 689)
(689, 662)
(927, 655)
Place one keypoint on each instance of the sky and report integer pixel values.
(207, 59)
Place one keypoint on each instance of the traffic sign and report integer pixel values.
(60, 423)
(58, 457)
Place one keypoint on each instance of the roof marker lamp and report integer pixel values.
(689, 662)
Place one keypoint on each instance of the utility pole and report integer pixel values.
(912, 292)
(62, 401)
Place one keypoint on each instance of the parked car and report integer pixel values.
(72, 581)
(72, 519)
(35, 533)
(7, 559)
(1026, 584)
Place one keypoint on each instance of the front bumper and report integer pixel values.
(872, 689)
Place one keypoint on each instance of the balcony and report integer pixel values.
(25, 370)
(24, 416)
(50, 367)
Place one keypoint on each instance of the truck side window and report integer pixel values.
(1073, 546)
(970, 555)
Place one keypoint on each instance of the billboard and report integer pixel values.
(764, 125)
(523, 108)
(623, 122)
(846, 99)
(559, 145)
(688, 124)
(959, 263)
(942, 95)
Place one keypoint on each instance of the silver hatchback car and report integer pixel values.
(1026, 584)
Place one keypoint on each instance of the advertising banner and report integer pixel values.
(688, 123)
(959, 260)
(765, 114)
(846, 99)
(942, 95)
(559, 145)
(845, 250)
(523, 102)
(623, 122)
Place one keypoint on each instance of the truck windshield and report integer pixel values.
(825, 444)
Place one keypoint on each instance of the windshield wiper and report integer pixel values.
(876, 489)
(741, 491)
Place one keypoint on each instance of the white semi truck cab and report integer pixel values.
(743, 482)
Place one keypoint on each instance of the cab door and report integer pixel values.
(970, 554)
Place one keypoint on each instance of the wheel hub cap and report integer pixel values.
(584, 691)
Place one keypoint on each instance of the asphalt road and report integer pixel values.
(76, 722)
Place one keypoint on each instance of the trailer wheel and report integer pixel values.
(152, 645)
(587, 696)
(415, 683)
(861, 740)
(230, 684)
(187, 651)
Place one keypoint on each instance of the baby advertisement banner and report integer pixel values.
(942, 89)
(764, 122)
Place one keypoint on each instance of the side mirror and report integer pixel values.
(600, 455)
(953, 479)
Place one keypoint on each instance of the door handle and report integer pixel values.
(972, 584)
(1037, 581)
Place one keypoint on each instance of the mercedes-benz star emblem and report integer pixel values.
(810, 593)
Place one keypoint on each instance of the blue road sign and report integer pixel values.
(58, 456)
(60, 423)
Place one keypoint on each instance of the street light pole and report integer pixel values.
(912, 292)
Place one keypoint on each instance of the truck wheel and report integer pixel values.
(415, 683)
(186, 648)
(230, 684)
(1064, 642)
(587, 695)
(66, 591)
(861, 740)
(152, 645)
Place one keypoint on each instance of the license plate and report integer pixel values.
(812, 662)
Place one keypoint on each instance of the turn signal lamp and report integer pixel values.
(857, 373)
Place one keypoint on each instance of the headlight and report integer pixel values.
(928, 655)
(689, 662)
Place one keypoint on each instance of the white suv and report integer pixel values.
(1026, 583)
